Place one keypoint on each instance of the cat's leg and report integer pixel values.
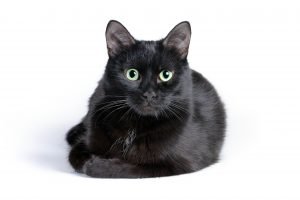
(75, 133)
(116, 168)
(79, 155)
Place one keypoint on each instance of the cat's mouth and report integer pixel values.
(145, 108)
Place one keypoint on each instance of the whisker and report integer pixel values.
(116, 105)
(124, 114)
(108, 104)
(110, 96)
(122, 106)
(166, 114)
(178, 116)
(179, 107)
(105, 102)
(131, 114)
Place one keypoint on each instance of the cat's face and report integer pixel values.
(150, 76)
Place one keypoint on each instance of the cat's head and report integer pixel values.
(152, 76)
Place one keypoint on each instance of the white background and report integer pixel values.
(52, 53)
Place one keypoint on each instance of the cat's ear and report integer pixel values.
(179, 39)
(117, 38)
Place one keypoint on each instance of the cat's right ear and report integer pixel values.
(117, 38)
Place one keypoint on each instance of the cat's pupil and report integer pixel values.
(132, 73)
(166, 74)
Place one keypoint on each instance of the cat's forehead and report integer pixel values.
(151, 47)
(147, 49)
(144, 54)
(147, 56)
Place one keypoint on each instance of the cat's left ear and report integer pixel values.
(118, 38)
(179, 39)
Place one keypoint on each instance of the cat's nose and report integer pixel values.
(149, 95)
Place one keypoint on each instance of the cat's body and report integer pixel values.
(148, 126)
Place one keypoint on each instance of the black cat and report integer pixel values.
(151, 115)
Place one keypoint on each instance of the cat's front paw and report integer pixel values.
(98, 167)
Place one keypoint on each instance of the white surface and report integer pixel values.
(52, 53)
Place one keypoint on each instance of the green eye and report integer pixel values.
(165, 75)
(132, 74)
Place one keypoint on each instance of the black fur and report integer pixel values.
(180, 129)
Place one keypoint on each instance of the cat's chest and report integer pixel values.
(122, 141)
(136, 146)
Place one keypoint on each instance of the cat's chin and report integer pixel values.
(146, 110)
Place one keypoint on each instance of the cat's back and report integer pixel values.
(204, 92)
(200, 83)
(203, 134)
(208, 111)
